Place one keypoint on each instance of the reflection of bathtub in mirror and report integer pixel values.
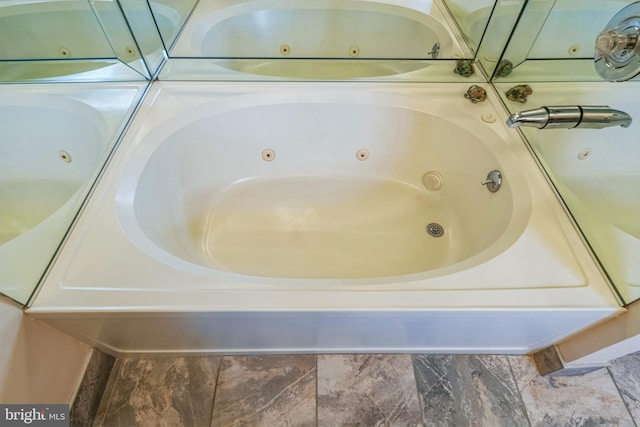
(166, 18)
(70, 70)
(323, 69)
(472, 17)
(51, 30)
(349, 30)
(52, 39)
(598, 174)
(463, 8)
(563, 32)
(570, 31)
(50, 149)
(473, 25)
(169, 16)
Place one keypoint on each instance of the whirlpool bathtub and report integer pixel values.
(322, 217)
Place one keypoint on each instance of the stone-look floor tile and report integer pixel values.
(268, 390)
(92, 387)
(171, 391)
(98, 421)
(585, 400)
(468, 390)
(626, 374)
(367, 390)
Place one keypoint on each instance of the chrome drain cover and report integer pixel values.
(435, 230)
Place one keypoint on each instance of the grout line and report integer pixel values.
(316, 397)
(624, 401)
(415, 383)
(515, 381)
(215, 389)
(109, 388)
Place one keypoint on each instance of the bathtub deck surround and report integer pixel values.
(217, 224)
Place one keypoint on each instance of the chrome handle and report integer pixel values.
(493, 180)
(435, 50)
(616, 47)
(611, 42)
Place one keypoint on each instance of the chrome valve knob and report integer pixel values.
(611, 42)
(617, 52)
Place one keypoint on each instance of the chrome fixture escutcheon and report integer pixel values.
(493, 181)
(616, 47)
(435, 50)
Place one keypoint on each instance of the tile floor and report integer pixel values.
(365, 390)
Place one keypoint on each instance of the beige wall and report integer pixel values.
(38, 365)
(599, 344)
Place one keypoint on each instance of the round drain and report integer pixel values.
(435, 230)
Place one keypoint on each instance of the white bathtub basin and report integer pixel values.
(316, 210)
(271, 30)
(197, 239)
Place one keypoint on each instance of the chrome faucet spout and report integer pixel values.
(537, 118)
(569, 117)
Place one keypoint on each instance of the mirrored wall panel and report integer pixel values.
(582, 128)
(55, 139)
(487, 27)
(555, 40)
(596, 170)
(56, 133)
(416, 40)
(67, 40)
